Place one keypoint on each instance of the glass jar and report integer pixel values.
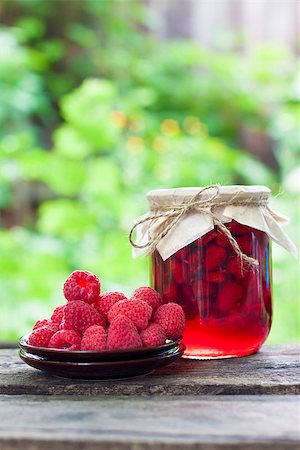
(210, 253)
(227, 303)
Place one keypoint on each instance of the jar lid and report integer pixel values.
(166, 196)
(177, 217)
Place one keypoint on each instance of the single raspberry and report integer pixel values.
(94, 338)
(58, 313)
(217, 276)
(148, 295)
(65, 339)
(40, 337)
(214, 257)
(236, 266)
(237, 229)
(206, 290)
(195, 262)
(40, 323)
(122, 334)
(136, 310)
(187, 300)
(82, 285)
(171, 317)
(46, 322)
(245, 244)
(182, 254)
(178, 268)
(221, 239)
(153, 335)
(228, 296)
(79, 316)
(206, 239)
(107, 300)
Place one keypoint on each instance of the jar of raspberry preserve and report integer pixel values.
(210, 253)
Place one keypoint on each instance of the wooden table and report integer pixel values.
(245, 403)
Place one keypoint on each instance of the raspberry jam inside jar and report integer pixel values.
(227, 302)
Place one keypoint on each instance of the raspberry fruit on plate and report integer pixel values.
(79, 316)
(153, 335)
(107, 300)
(122, 334)
(171, 317)
(57, 314)
(40, 337)
(40, 323)
(82, 285)
(65, 339)
(94, 338)
(138, 311)
(93, 322)
(46, 323)
(148, 295)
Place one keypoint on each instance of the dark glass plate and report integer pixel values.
(94, 356)
(104, 370)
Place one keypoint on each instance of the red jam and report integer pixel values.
(227, 305)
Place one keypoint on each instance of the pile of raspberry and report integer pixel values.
(108, 321)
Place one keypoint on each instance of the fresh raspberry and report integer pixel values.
(82, 285)
(79, 316)
(148, 295)
(153, 335)
(229, 294)
(107, 300)
(40, 323)
(94, 338)
(136, 310)
(122, 334)
(171, 317)
(65, 339)
(40, 337)
(46, 322)
(217, 276)
(214, 257)
(58, 313)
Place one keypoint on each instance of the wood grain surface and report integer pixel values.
(152, 423)
(274, 370)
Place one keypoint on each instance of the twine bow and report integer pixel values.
(173, 214)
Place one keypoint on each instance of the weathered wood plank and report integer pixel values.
(241, 422)
(274, 370)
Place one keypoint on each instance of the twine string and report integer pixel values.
(173, 214)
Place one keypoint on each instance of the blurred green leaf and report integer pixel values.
(89, 110)
(65, 218)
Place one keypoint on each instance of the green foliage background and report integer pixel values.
(95, 111)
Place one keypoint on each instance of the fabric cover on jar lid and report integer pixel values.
(179, 216)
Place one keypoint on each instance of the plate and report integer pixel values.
(104, 370)
(93, 356)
